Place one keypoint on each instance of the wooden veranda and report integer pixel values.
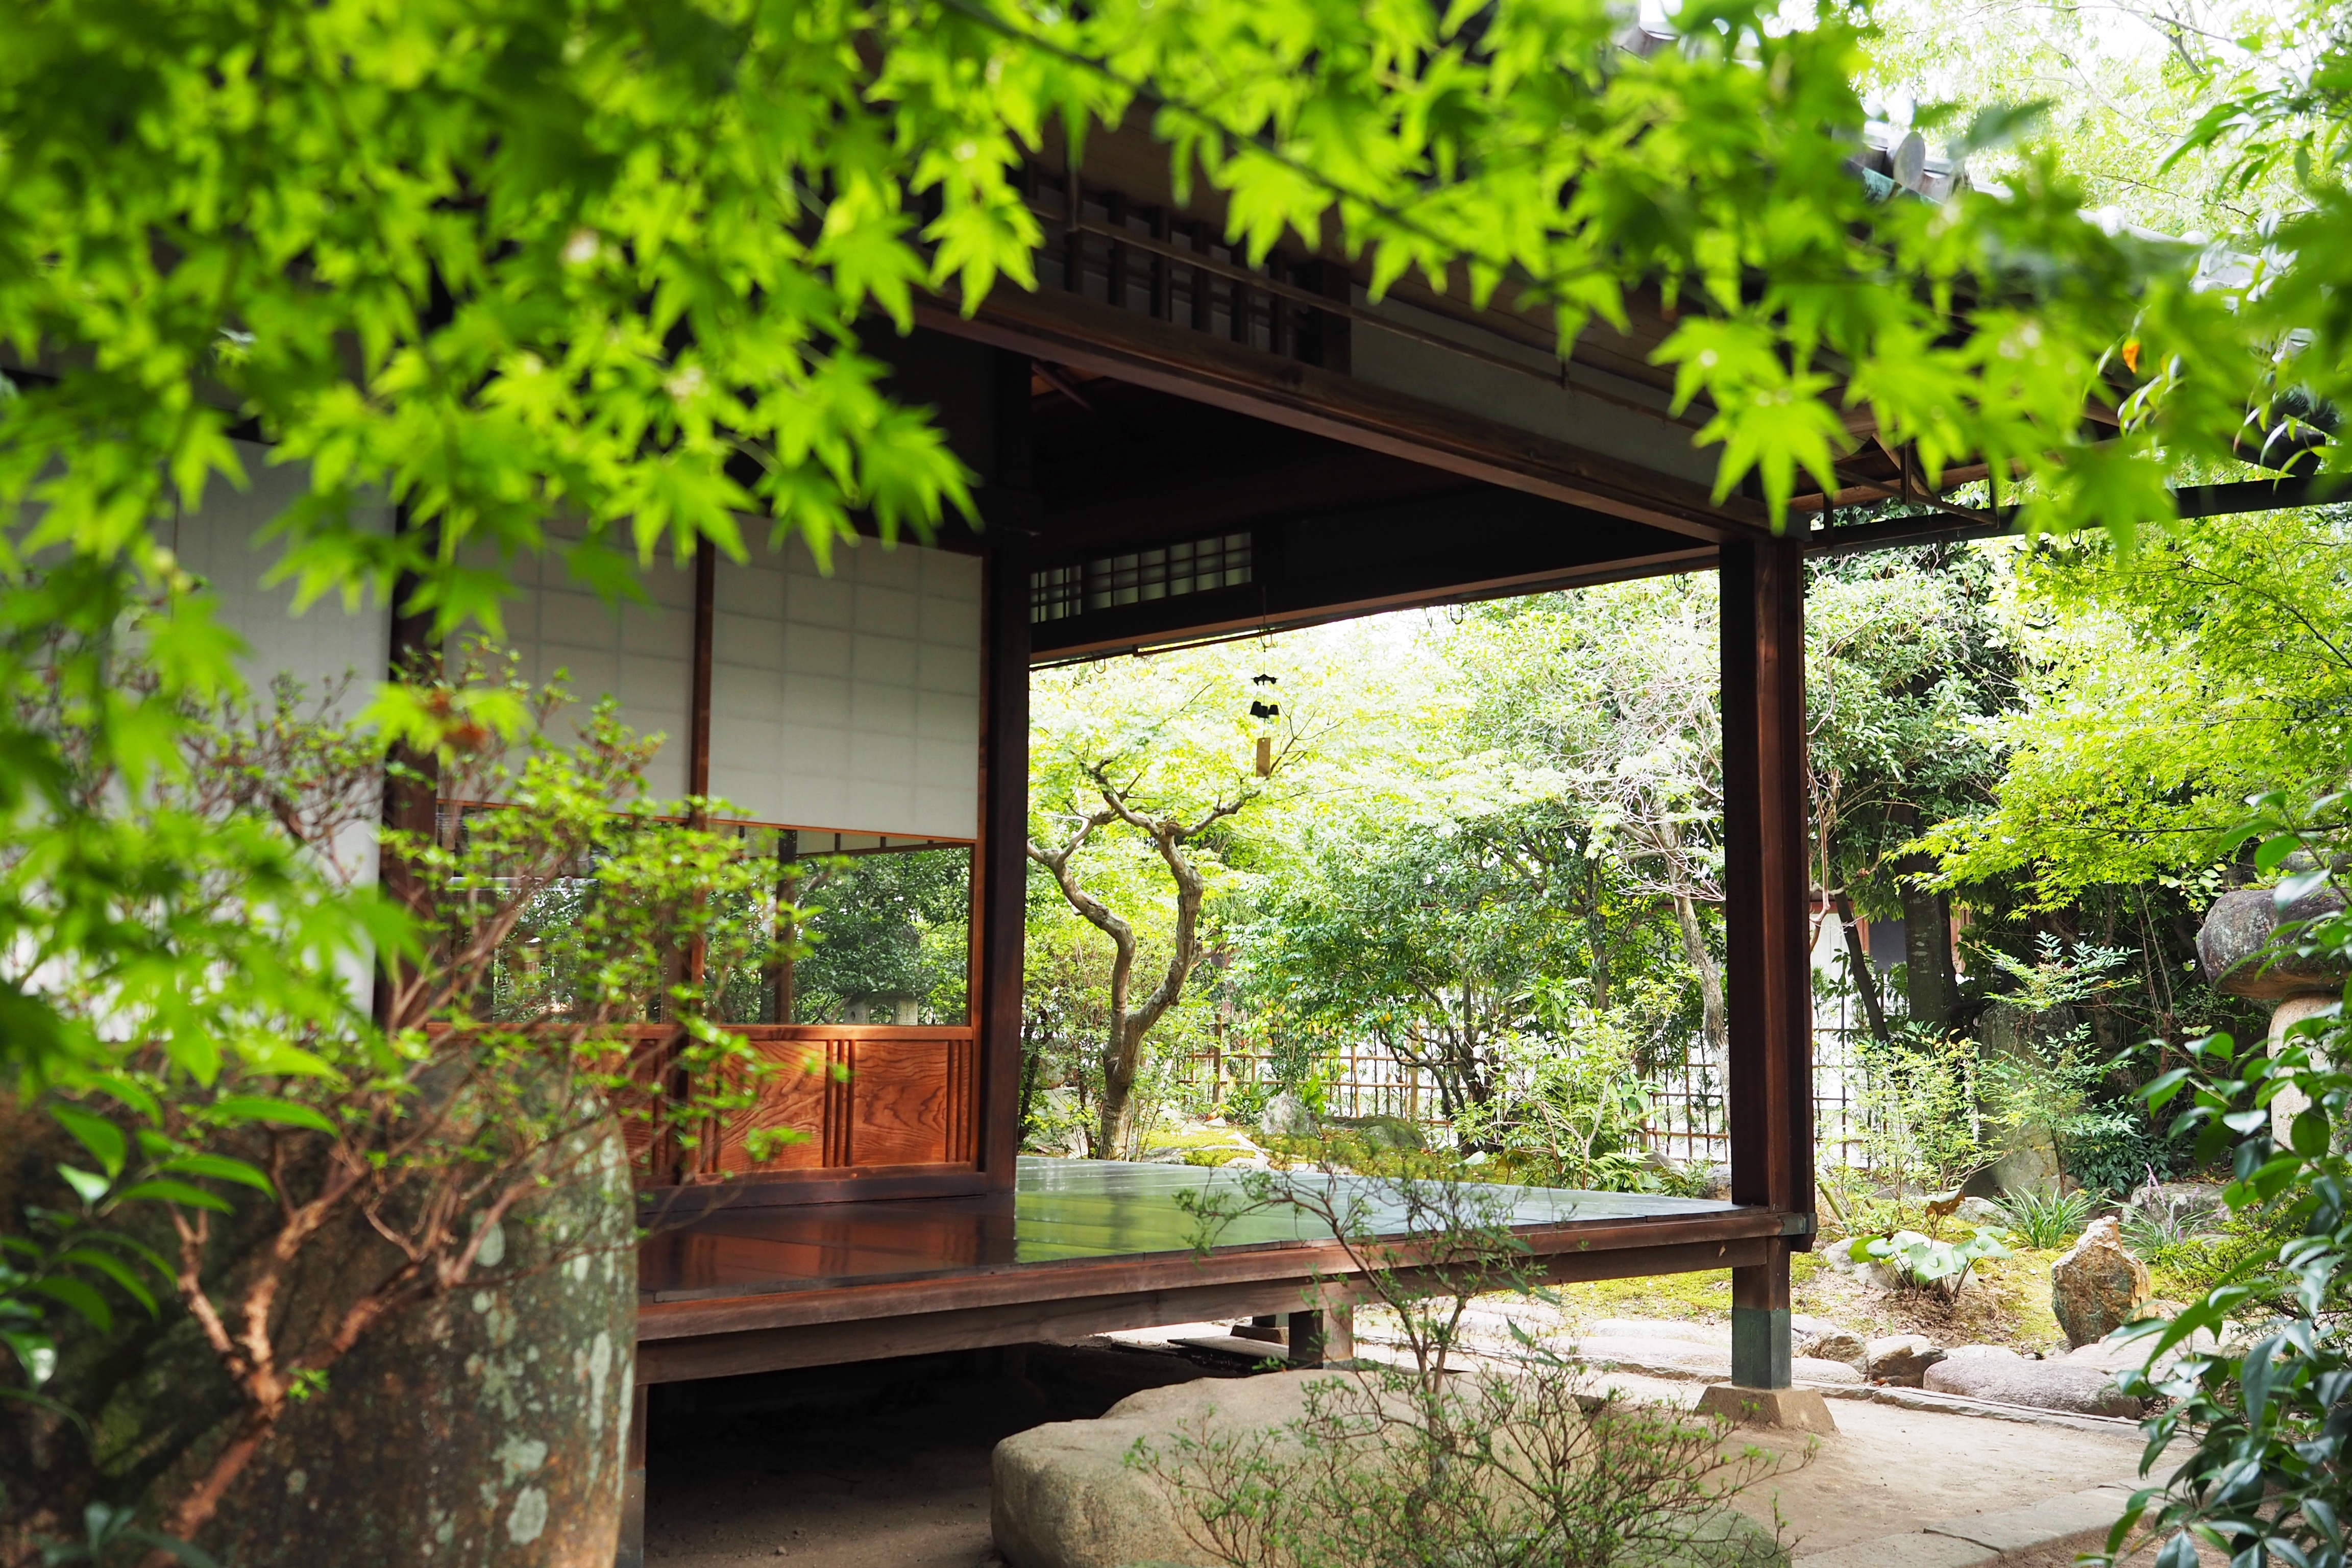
(1174, 446)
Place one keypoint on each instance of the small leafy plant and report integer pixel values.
(2046, 1217)
(1924, 1261)
(1438, 1460)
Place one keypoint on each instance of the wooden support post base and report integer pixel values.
(1760, 1347)
(1340, 1335)
(1792, 1409)
(631, 1551)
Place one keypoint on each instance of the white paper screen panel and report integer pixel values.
(852, 700)
(325, 642)
(640, 652)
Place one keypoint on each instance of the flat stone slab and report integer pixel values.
(1902, 1552)
(2043, 1384)
(1065, 1498)
(2015, 1529)
(1688, 1359)
(1236, 1346)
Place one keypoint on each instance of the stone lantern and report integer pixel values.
(2230, 946)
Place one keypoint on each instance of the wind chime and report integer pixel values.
(1265, 713)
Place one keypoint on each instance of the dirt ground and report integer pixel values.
(886, 1466)
(878, 1466)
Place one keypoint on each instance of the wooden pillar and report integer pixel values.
(412, 791)
(1002, 875)
(1768, 979)
(1305, 1333)
(631, 1550)
(706, 623)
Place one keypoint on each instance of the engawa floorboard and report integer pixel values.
(1061, 1211)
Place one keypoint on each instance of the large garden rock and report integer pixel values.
(487, 1428)
(2231, 942)
(2098, 1286)
(1825, 1341)
(1064, 1495)
(1285, 1115)
(1901, 1359)
(2011, 1379)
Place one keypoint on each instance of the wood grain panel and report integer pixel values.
(904, 1103)
(796, 1097)
(863, 1096)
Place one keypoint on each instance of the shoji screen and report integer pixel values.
(849, 701)
(640, 653)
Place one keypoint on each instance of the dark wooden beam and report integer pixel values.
(1468, 543)
(1128, 346)
(1001, 873)
(2235, 498)
(1768, 976)
(682, 1340)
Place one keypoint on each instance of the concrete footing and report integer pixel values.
(1792, 1409)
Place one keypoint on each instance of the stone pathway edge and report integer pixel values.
(2077, 1517)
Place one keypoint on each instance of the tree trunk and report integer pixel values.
(1933, 987)
(1121, 1051)
(1710, 978)
(1865, 977)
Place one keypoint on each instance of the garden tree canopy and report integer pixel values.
(1904, 667)
(1615, 694)
(2162, 687)
(1160, 757)
(496, 260)
(1432, 932)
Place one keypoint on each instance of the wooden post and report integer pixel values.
(1000, 877)
(1306, 1332)
(1768, 982)
(631, 1551)
(705, 618)
(412, 802)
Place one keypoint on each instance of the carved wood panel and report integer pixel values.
(860, 1097)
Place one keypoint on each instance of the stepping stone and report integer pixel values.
(2041, 1384)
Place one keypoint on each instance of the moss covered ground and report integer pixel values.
(2007, 1304)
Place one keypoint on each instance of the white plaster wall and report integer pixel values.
(639, 651)
(849, 701)
(329, 647)
(219, 542)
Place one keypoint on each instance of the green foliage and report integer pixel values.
(2237, 1247)
(113, 1535)
(2135, 661)
(2256, 1433)
(1568, 1109)
(1924, 1261)
(1922, 1111)
(885, 931)
(2044, 1217)
(489, 1080)
(1439, 1460)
